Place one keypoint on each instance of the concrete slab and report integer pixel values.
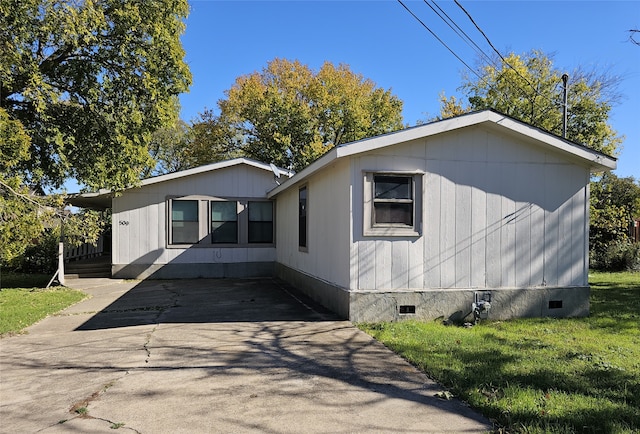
(212, 356)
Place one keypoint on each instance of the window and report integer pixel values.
(393, 200)
(209, 221)
(260, 222)
(302, 217)
(392, 204)
(184, 222)
(224, 222)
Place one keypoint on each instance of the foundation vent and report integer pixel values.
(555, 304)
(407, 309)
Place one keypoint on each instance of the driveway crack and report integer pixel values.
(173, 302)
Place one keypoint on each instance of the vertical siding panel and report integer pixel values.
(564, 249)
(366, 264)
(537, 241)
(480, 172)
(431, 225)
(416, 263)
(399, 264)
(383, 264)
(525, 184)
(507, 238)
(478, 234)
(447, 225)
(565, 260)
(463, 218)
(551, 226)
(494, 221)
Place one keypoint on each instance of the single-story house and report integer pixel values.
(480, 212)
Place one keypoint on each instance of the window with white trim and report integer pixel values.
(392, 204)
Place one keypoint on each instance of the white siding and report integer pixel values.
(497, 213)
(328, 216)
(140, 218)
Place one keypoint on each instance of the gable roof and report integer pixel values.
(597, 161)
(102, 198)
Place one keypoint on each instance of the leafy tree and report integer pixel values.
(90, 81)
(529, 88)
(213, 140)
(168, 147)
(290, 115)
(615, 202)
(22, 214)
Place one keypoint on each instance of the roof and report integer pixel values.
(597, 161)
(102, 198)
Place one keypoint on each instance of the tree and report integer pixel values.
(168, 147)
(614, 203)
(529, 88)
(21, 214)
(90, 81)
(289, 115)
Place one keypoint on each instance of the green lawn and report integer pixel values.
(24, 301)
(540, 375)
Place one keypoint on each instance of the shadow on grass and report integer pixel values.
(602, 398)
(615, 305)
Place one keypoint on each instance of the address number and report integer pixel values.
(124, 223)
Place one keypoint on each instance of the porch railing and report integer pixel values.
(84, 251)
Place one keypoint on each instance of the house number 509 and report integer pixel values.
(124, 223)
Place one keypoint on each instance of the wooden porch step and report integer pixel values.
(93, 267)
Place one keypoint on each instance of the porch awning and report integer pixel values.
(98, 201)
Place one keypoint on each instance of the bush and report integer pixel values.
(41, 257)
(619, 256)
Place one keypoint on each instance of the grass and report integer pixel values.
(578, 375)
(24, 301)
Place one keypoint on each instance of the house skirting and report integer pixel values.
(327, 294)
(449, 304)
(456, 304)
(193, 271)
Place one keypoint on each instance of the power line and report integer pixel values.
(498, 91)
(439, 40)
(495, 49)
(466, 38)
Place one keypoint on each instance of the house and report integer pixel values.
(210, 221)
(479, 214)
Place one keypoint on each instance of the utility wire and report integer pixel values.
(498, 91)
(451, 23)
(495, 49)
(439, 40)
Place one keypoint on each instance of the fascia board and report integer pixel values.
(211, 167)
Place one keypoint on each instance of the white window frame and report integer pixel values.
(373, 229)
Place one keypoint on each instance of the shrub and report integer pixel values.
(620, 256)
(42, 256)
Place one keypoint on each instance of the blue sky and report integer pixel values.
(383, 42)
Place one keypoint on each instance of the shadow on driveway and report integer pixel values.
(215, 356)
(208, 301)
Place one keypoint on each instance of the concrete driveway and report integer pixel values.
(211, 356)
